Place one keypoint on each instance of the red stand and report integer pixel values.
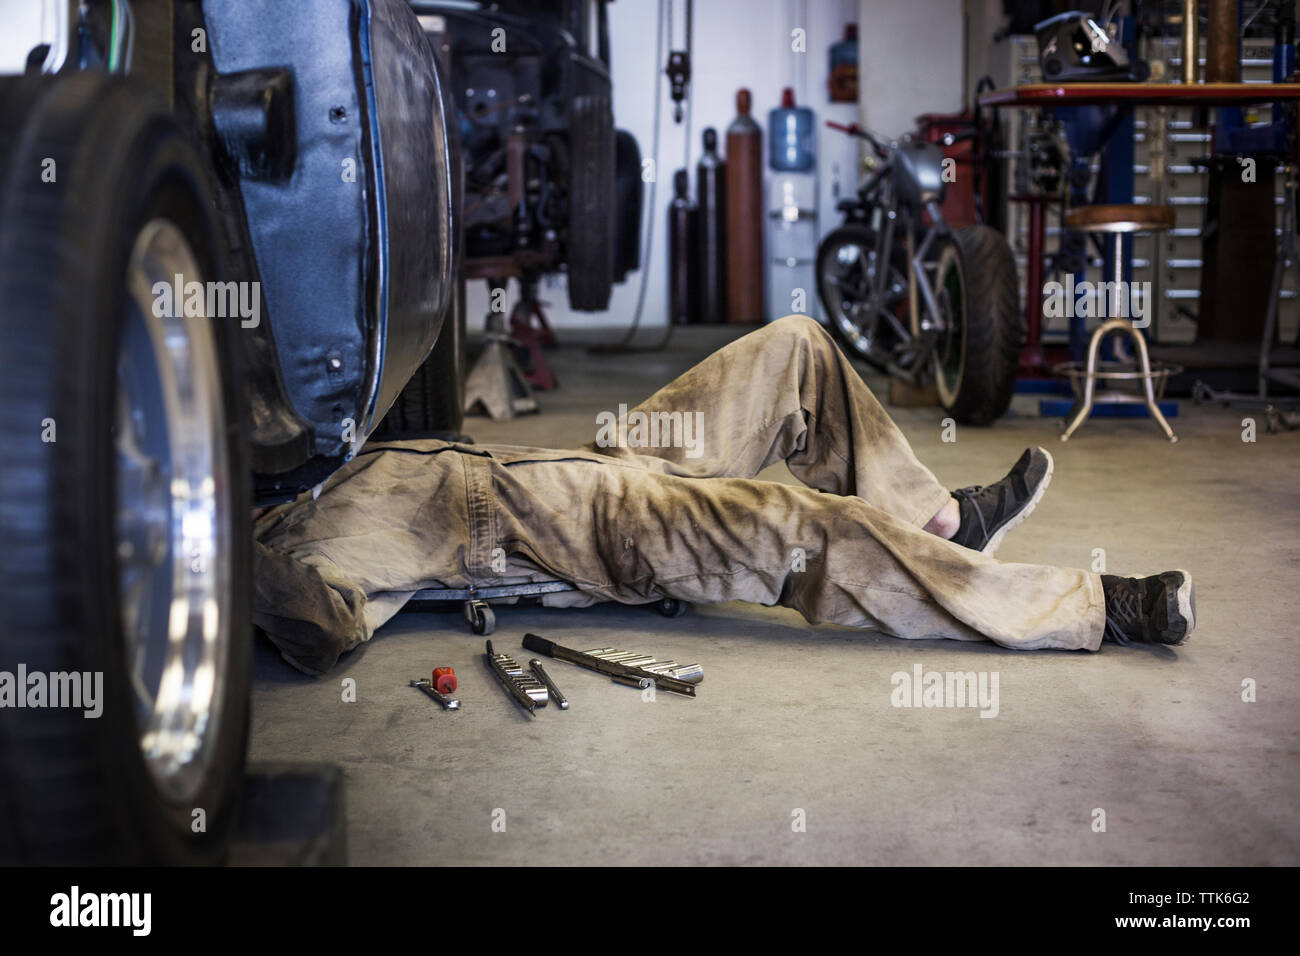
(533, 337)
(1034, 362)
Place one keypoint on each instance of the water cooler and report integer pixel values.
(791, 211)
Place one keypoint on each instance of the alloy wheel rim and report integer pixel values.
(173, 518)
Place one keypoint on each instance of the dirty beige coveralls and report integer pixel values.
(634, 525)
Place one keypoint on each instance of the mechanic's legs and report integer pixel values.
(786, 391)
(632, 535)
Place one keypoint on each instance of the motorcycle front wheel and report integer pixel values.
(847, 262)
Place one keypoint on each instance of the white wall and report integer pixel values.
(910, 56)
(984, 18)
(910, 60)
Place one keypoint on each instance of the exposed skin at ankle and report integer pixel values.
(946, 521)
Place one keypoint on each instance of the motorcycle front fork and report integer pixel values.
(920, 294)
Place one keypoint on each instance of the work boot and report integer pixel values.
(1160, 609)
(988, 513)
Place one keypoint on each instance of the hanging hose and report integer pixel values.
(624, 345)
(690, 21)
(115, 38)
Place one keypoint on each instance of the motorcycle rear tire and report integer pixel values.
(993, 330)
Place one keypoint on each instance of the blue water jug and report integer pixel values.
(790, 136)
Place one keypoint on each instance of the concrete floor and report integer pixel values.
(793, 717)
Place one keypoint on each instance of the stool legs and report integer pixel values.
(1147, 383)
(1083, 408)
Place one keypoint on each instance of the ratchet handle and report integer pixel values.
(539, 645)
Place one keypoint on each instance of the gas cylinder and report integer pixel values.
(711, 244)
(683, 303)
(744, 215)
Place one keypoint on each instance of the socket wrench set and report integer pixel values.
(533, 688)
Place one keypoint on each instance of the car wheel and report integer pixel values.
(590, 240)
(124, 503)
(628, 207)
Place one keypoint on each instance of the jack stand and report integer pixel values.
(533, 338)
(496, 381)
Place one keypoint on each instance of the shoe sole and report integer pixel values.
(995, 542)
(1180, 610)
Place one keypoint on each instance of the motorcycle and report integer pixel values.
(914, 297)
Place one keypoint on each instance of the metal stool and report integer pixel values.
(1117, 220)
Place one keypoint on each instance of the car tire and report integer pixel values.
(590, 234)
(99, 189)
(629, 205)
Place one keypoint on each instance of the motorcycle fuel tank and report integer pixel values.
(918, 174)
